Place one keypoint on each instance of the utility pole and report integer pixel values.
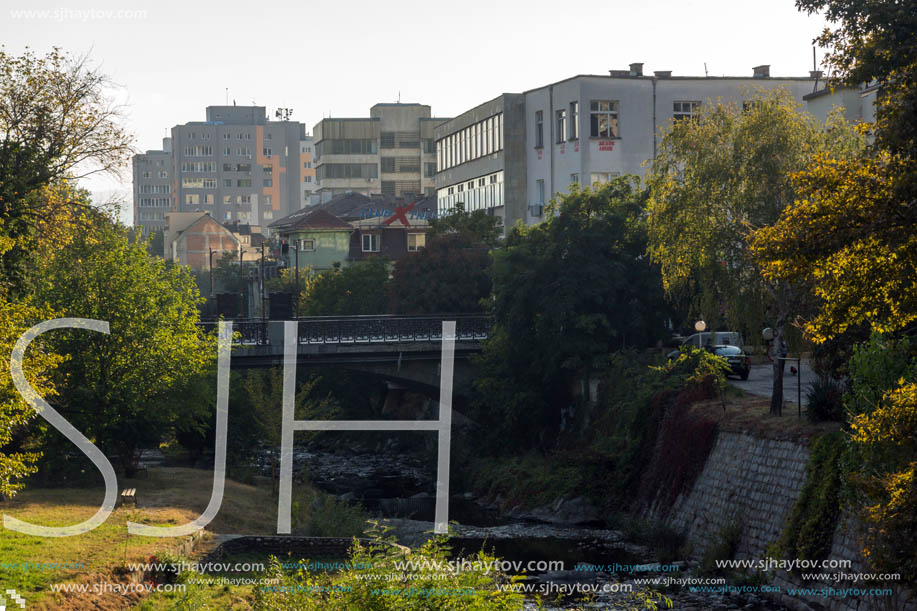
(263, 313)
(296, 292)
(241, 286)
(210, 261)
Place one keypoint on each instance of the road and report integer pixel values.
(761, 381)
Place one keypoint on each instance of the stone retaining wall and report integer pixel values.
(754, 482)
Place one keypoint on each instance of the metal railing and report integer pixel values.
(384, 329)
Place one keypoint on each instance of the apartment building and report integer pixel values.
(152, 186)
(584, 129)
(390, 153)
(237, 165)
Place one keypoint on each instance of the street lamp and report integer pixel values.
(296, 290)
(210, 262)
(699, 326)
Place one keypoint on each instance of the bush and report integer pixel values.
(825, 401)
(810, 530)
(724, 548)
(369, 583)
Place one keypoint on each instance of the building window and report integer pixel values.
(192, 199)
(147, 175)
(209, 183)
(227, 151)
(208, 198)
(561, 125)
(245, 199)
(227, 200)
(268, 137)
(388, 164)
(307, 245)
(198, 151)
(574, 120)
(539, 129)
(267, 215)
(601, 177)
(416, 241)
(227, 182)
(163, 174)
(268, 201)
(307, 179)
(226, 136)
(268, 182)
(244, 182)
(603, 119)
(371, 242)
(574, 178)
(539, 192)
(429, 170)
(684, 110)
(268, 152)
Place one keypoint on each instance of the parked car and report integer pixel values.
(721, 338)
(739, 362)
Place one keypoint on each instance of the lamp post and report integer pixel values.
(699, 326)
(210, 262)
(241, 286)
(263, 313)
(296, 290)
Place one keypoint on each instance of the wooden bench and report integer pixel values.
(129, 497)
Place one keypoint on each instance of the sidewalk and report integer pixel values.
(760, 381)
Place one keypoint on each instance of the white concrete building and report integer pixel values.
(584, 129)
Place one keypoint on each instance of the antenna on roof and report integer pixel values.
(227, 96)
(399, 96)
(705, 70)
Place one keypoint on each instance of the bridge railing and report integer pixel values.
(385, 329)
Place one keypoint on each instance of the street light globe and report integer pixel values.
(699, 326)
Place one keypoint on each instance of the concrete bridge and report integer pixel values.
(404, 350)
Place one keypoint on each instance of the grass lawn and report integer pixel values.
(168, 497)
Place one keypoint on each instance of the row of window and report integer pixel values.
(347, 170)
(155, 202)
(156, 189)
(207, 151)
(348, 146)
(475, 141)
(479, 194)
(152, 216)
(160, 174)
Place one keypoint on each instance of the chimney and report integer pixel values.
(815, 74)
(617, 73)
(662, 74)
(762, 71)
(636, 69)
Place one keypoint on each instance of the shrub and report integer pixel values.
(810, 530)
(374, 582)
(825, 401)
(724, 548)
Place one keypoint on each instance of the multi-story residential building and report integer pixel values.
(237, 166)
(152, 174)
(511, 155)
(858, 103)
(391, 152)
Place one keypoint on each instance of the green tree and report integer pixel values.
(56, 123)
(15, 461)
(264, 390)
(125, 389)
(477, 227)
(450, 275)
(359, 288)
(713, 182)
(566, 292)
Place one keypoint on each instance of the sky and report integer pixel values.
(337, 58)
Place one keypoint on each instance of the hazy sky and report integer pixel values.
(340, 57)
